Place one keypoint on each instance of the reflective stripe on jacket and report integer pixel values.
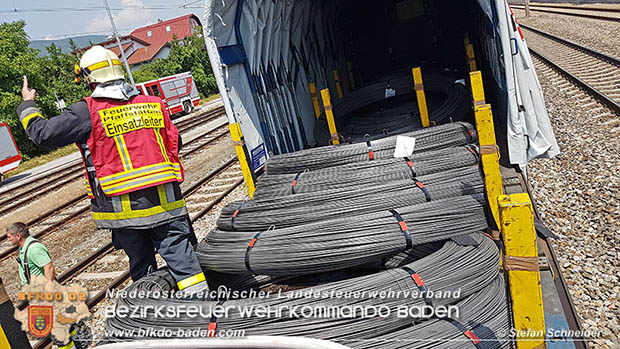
(132, 164)
(133, 144)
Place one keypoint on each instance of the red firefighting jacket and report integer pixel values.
(133, 144)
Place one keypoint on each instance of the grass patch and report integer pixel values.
(210, 98)
(42, 159)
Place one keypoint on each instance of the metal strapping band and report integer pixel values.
(410, 164)
(328, 107)
(420, 185)
(480, 103)
(466, 331)
(213, 321)
(521, 263)
(489, 149)
(420, 284)
(403, 227)
(234, 215)
(371, 154)
(295, 182)
(251, 245)
(238, 143)
(334, 136)
(419, 87)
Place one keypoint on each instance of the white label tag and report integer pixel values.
(389, 92)
(404, 146)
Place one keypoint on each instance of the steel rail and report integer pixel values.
(613, 10)
(206, 117)
(24, 198)
(601, 97)
(76, 214)
(603, 56)
(54, 171)
(217, 137)
(181, 126)
(107, 248)
(583, 15)
(119, 280)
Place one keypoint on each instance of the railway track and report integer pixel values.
(201, 198)
(592, 71)
(78, 206)
(30, 190)
(610, 15)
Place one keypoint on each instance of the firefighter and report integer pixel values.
(130, 150)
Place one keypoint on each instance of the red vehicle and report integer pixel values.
(10, 157)
(178, 91)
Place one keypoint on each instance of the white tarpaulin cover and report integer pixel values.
(265, 53)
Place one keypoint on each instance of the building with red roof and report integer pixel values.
(153, 41)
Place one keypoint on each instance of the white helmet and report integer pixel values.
(99, 65)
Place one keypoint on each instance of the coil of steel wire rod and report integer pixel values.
(342, 243)
(452, 102)
(366, 173)
(287, 211)
(453, 273)
(430, 138)
(484, 317)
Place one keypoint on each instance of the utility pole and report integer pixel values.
(118, 41)
(527, 8)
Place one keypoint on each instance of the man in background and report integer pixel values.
(34, 258)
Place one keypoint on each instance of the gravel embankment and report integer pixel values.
(596, 34)
(579, 199)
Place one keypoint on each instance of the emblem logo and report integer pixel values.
(40, 320)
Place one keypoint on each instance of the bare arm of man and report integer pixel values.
(49, 271)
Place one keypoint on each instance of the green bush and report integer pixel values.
(54, 73)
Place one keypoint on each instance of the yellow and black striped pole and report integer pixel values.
(239, 143)
(351, 76)
(315, 99)
(419, 91)
(329, 115)
(338, 84)
(469, 51)
(521, 264)
(489, 151)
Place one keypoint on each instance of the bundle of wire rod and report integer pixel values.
(366, 173)
(454, 104)
(304, 208)
(484, 317)
(349, 241)
(453, 273)
(430, 138)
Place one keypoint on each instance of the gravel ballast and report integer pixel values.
(596, 34)
(578, 198)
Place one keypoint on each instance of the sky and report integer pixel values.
(55, 19)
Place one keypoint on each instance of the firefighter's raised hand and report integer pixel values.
(28, 94)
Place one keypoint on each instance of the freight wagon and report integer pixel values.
(302, 80)
(10, 157)
(283, 67)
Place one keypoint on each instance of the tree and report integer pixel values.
(54, 74)
(45, 74)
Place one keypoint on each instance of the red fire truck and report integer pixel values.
(10, 156)
(178, 91)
